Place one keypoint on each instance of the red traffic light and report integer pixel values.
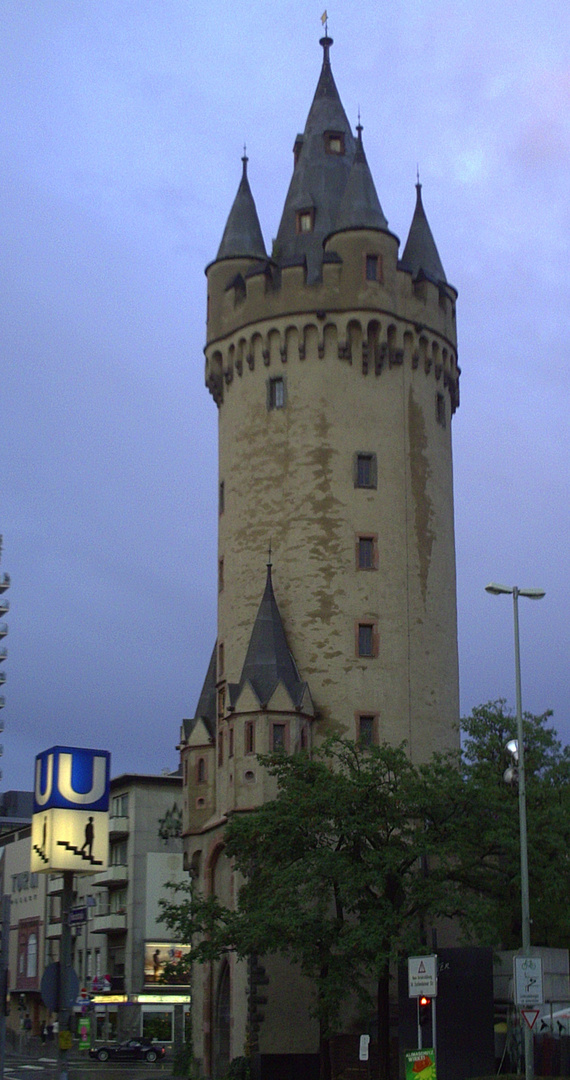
(425, 1001)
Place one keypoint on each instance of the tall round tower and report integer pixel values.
(333, 364)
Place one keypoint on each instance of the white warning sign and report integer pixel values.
(422, 976)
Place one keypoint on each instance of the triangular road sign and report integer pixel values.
(530, 1016)
(421, 968)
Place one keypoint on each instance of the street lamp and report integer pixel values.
(532, 594)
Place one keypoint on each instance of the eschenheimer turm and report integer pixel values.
(332, 362)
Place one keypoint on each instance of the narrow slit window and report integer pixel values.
(276, 393)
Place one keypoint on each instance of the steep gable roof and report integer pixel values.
(360, 206)
(206, 707)
(268, 659)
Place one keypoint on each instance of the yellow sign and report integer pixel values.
(75, 840)
(65, 1040)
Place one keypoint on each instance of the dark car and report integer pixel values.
(132, 1050)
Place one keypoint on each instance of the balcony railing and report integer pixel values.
(113, 875)
(118, 826)
(109, 922)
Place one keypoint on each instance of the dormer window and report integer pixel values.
(334, 142)
(305, 220)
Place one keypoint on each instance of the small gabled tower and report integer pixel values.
(333, 366)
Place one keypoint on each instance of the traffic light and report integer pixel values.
(424, 1014)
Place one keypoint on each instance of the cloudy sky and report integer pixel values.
(122, 127)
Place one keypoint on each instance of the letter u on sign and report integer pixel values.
(72, 777)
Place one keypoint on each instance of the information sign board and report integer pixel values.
(422, 976)
(528, 980)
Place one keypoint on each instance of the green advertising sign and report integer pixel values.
(420, 1064)
(84, 1032)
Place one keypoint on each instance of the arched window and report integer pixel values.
(32, 957)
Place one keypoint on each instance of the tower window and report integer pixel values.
(221, 702)
(220, 575)
(220, 660)
(366, 553)
(305, 220)
(249, 737)
(366, 639)
(278, 737)
(231, 742)
(221, 498)
(365, 470)
(334, 142)
(201, 771)
(366, 729)
(276, 393)
(373, 268)
(220, 748)
(440, 409)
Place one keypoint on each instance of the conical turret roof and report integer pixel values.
(269, 660)
(206, 707)
(322, 167)
(242, 234)
(360, 206)
(420, 252)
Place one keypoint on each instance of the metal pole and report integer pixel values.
(4, 960)
(64, 974)
(525, 903)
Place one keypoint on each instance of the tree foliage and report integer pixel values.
(361, 852)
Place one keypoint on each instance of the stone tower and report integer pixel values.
(333, 365)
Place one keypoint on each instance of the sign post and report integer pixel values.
(70, 834)
(422, 985)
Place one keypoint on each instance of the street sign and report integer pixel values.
(50, 986)
(70, 823)
(528, 980)
(77, 915)
(422, 976)
(363, 1049)
(530, 1016)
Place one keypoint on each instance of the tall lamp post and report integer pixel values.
(532, 594)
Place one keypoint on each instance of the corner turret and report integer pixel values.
(242, 235)
(420, 253)
(360, 206)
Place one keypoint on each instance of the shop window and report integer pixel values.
(32, 957)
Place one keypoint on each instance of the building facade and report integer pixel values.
(119, 946)
(333, 365)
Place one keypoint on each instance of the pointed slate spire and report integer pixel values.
(420, 252)
(360, 206)
(269, 660)
(242, 234)
(206, 707)
(323, 162)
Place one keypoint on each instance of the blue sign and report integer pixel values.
(72, 778)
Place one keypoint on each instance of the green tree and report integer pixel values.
(333, 877)
(472, 828)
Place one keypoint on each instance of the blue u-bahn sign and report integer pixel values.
(71, 803)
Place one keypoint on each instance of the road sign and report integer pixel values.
(50, 986)
(530, 1016)
(422, 976)
(528, 980)
(363, 1048)
(77, 915)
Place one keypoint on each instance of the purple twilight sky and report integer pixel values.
(122, 127)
